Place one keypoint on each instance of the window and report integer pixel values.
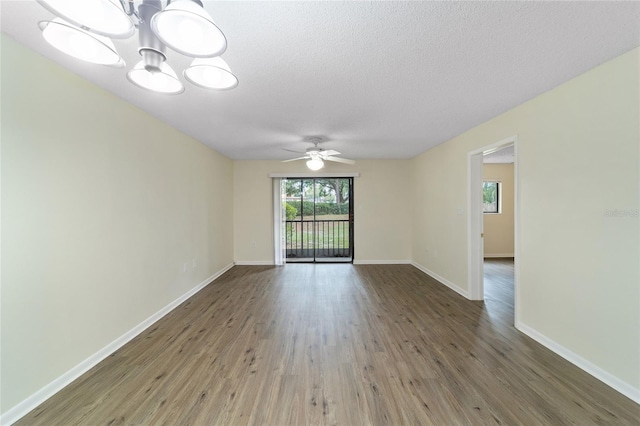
(491, 196)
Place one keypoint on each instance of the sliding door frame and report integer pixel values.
(279, 228)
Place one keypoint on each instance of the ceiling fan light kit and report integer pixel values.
(316, 156)
(315, 164)
(83, 27)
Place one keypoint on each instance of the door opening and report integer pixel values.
(498, 232)
(319, 219)
(475, 228)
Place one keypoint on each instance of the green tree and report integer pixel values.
(489, 192)
(291, 212)
(338, 189)
(293, 187)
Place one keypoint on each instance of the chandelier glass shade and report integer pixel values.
(104, 17)
(163, 80)
(188, 29)
(79, 43)
(211, 73)
(83, 27)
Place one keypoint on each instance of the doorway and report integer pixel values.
(475, 228)
(498, 232)
(319, 219)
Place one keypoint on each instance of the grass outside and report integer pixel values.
(329, 234)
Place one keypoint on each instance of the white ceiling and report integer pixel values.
(378, 79)
(501, 156)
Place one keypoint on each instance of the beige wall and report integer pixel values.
(101, 207)
(498, 228)
(382, 201)
(578, 159)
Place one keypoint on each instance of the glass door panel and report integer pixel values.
(319, 225)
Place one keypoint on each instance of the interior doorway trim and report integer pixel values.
(475, 247)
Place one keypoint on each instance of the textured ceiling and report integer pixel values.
(502, 156)
(377, 79)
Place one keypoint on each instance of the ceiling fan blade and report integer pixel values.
(340, 160)
(295, 159)
(329, 153)
(290, 150)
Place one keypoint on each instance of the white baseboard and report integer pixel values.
(442, 280)
(492, 255)
(23, 408)
(624, 388)
(355, 262)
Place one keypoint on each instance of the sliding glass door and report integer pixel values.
(319, 219)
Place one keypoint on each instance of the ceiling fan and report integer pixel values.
(316, 156)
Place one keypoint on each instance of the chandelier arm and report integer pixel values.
(131, 11)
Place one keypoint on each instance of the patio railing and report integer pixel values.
(313, 239)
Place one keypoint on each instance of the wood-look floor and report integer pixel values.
(337, 344)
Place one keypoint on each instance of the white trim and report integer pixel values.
(442, 280)
(607, 378)
(475, 227)
(254, 262)
(279, 217)
(496, 146)
(382, 262)
(312, 175)
(496, 255)
(516, 232)
(23, 408)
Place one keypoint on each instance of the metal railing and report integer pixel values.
(313, 239)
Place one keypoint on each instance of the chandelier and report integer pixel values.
(84, 29)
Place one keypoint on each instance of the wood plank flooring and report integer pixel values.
(336, 345)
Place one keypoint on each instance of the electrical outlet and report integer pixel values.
(184, 267)
(193, 263)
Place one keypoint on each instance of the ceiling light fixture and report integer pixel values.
(187, 28)
(163, 80)
(104, 17)
(211, 73)
(315, 164)
(79, 43)
(83, 27)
